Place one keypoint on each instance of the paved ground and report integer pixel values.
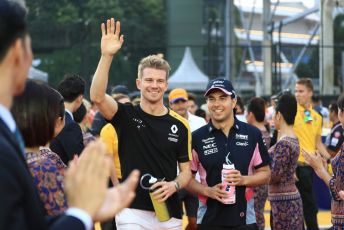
(324, 218)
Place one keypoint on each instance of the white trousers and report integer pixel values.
(135, 219)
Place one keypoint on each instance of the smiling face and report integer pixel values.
(152, 84)
(180, 107)
(220, 106)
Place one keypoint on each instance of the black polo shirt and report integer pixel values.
(210, 147)
(335, 139)
(154, 145)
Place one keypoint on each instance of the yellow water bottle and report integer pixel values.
(160, 208)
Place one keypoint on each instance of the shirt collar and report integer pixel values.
(70, 113)
(7, 117)
(235, 126)
(301, 108)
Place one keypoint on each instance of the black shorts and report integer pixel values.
(190, 202)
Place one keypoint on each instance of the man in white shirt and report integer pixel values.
(178, 99)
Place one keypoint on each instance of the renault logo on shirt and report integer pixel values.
(174, 129)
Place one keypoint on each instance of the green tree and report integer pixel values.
(66, 35)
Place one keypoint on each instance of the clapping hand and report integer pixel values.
(118, 197)
(316, 161)
(86, 184)
(87, 177)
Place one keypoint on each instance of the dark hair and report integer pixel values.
(340, 102)
(239, 104)
(12, 24)
(306, 82)
(257, 107)
(71, 87)
(316, 98)
(80, 113)
(192, 97)
(200, 113)
(333, 107)
(36, 111)
(286, 104)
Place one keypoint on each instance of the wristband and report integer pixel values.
(176, 185)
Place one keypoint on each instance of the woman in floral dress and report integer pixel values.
(39, 114)
(285, 199)
(336, 181)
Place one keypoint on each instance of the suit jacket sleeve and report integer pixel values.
(68, 142)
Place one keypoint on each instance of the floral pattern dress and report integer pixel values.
(47, 170)
(285, 199)
(337, 184)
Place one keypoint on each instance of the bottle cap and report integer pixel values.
(152, 180)
(228, 166)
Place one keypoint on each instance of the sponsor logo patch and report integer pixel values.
(241, 137)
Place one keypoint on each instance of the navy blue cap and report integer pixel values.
(120, 89)
(221, 84)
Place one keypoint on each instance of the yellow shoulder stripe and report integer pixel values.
(186, 124)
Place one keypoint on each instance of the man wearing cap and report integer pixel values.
(178, 99)
(226, 139)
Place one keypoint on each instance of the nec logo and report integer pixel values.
(209, 146)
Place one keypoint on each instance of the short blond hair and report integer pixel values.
(307, 82)
(155, 62)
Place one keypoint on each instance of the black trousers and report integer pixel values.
(305, 187)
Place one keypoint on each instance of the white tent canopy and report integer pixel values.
(188, 76)
(38, 74)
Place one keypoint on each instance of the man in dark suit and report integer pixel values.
(69, 141)
(85, 180)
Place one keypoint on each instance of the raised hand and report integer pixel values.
(111, 40)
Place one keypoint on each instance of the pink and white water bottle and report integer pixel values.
(230, 189)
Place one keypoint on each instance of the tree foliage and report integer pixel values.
(66, 35)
